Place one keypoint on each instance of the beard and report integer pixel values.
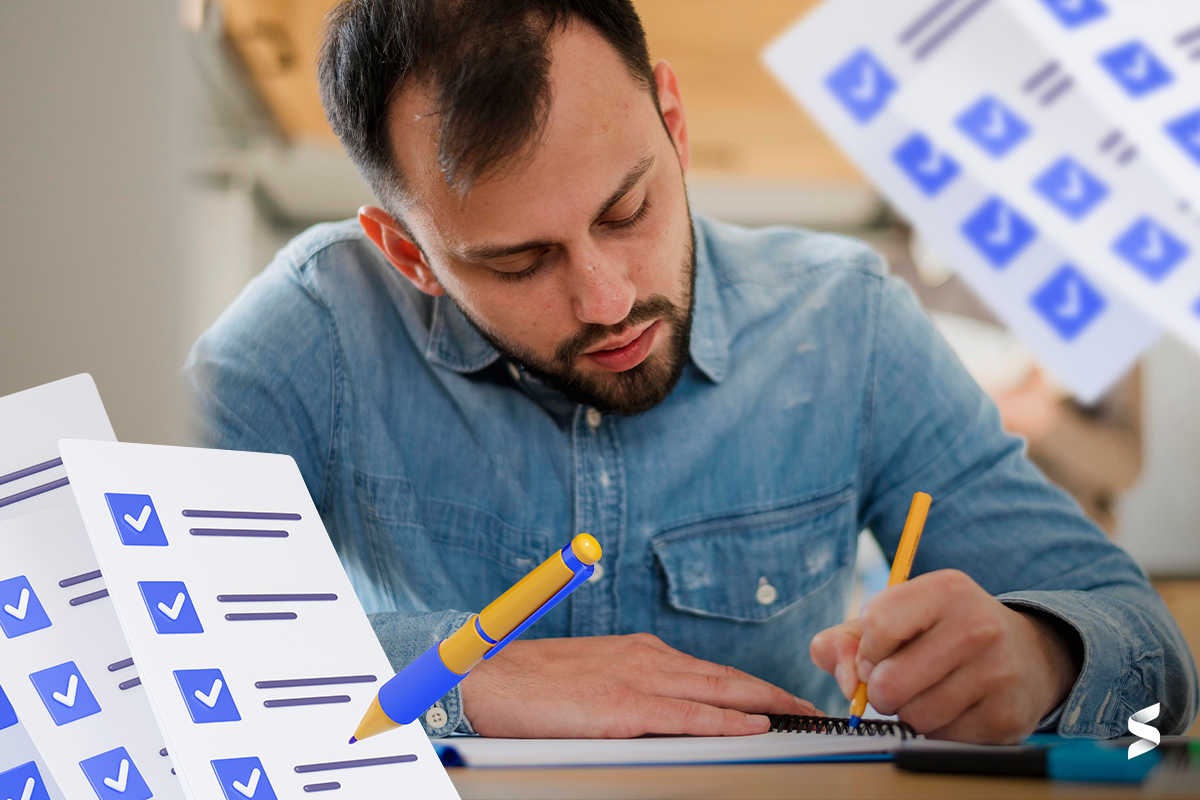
(634, 390)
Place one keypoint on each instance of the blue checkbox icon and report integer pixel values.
(136, 520)
(862, 85)
(1186, 131)
(998, 232)
(1070, 188)
(65, 693)
(8, 714)
(243, 779)
(23, 783)
(206, 695)
(20, 610)
(1073, 13)
(1135, 69)
(170, 607)
(927, 167)
(114, 776)
(993, 126)
(1150, 248)
(1068, 302)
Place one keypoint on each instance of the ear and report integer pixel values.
(671, 102)
(398, 248)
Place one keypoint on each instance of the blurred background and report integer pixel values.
(155, 156)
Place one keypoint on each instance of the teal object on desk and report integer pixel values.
(1042, 757)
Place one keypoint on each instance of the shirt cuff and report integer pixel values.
(1116, 670)
(404, 637)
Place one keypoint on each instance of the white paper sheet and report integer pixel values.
(20, 761)
(251, 643)
(478, 751)
(926, 96)
(64, 662)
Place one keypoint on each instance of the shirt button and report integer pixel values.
(512, 370)
(598, 574)
(765, 594)
(593, 418)
(436, 717)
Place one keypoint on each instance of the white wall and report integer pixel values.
(89, 269)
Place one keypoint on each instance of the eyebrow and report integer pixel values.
(489, 251)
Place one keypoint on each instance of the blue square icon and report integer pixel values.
(992, 126)
(1150, 248)
(862, 85)
(1068, 302)
(1135, 68)
(114, 776)
(1073, 13)
(1070, 188)
(206, 695)
(998, 232)
(243, 779)
(136, 520)
(8, 714)
(928, 168)
(23, 783)
(170, 607)
(1186, 131)
(20, 610)
(65, 693)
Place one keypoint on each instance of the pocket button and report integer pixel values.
(765, 594)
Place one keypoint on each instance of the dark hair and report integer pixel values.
(485, 63)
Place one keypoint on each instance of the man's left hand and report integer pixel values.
(951, 660)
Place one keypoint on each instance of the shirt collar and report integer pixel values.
(456, 345)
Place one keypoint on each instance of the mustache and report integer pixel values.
(644, 310)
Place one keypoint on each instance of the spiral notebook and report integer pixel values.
(791, 738)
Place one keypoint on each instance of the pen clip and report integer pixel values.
(579, 578)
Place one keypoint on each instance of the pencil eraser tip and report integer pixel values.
(353, 740)
(854, 721)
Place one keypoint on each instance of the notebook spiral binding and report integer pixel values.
(793, 723)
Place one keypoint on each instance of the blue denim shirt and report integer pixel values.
(817, 399)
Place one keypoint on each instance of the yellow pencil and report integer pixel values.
(900, 569)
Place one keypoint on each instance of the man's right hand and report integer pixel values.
(616, 687)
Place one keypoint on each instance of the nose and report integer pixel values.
(601, 292)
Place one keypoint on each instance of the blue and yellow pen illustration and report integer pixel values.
(419, 685)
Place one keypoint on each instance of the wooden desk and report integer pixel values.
(770, 781)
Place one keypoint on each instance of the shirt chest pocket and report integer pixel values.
(755, 566)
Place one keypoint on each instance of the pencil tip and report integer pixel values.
(854, 720)
(353, 740)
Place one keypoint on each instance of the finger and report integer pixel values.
(990, 721)
(743, 693)
(834, 650)
(686, 717)
(941, 704)
(896, 615)
(709, 671)
(921, 663)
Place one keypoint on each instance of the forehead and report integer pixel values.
(601, 122)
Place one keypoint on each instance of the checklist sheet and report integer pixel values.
(255, 652)
(64, 663)
(1042, 146)
(23, 773)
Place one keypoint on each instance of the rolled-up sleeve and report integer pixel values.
(994, 516)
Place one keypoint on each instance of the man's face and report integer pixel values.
(575, 260)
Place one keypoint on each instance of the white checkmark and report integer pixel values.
(139, 523)
(28, 792)
(210, 699)
(122, 777)
(172, 610)
(248, 791)
(68, 699)
(22, 605)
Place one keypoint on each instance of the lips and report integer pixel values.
(628, 354)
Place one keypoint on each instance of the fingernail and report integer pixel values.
(805, 703)
(840, 674)
(758, 720)
(865, 668)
